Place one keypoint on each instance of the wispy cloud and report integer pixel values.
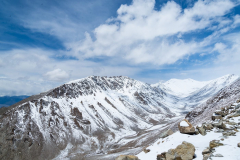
(147, 36)
(106, 38)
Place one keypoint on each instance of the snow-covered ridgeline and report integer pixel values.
(225, 97)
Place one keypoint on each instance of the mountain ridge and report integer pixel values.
(87, 117)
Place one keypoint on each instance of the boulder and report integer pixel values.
(161, 156)
(127, 157)
(215, 143)
(223, 109)
(218, 155)
(166, 133)
(214, 117)
(185, 151)
(230, 133)
(232, 123)
(169, 132)
(146, 150)
(202, 130)
(219, 112)
(238, 145)
(219, 124)
(197, 132)
(234, 115)
(186, 127)
(208, 126)
(237, 106)
(219, 131)
(206, 156)
(206, 151)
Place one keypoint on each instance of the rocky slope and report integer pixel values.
(209, 90)
(225, 97)
(197, 92)
(215, 139)
(94, 115)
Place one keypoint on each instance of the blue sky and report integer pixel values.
(46, 43)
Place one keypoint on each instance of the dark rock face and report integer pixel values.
(16, 142)
(80, 117)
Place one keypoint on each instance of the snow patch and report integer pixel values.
(184, 124)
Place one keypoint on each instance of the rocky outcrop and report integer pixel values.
(219, 124)
(161, 156)
(202, 130)
(208, 126)
(206, 151)
(146, 150)
(186, 127)
(185, 151)
(225, 97)
(214, 117)
(218, 155)
(166, 133)
(42, 126)
(215, 143)
(220, 112)
(127, 157)
(229, 133)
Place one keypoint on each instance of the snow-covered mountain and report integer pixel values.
(196, 92)
(225, 105)
(84, 117)
(181, 87)
(95, 117)
(210, 89)
(225, 97)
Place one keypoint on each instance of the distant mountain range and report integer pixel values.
(99, 116)
(188, 93)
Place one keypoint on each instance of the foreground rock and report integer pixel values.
(161, 156)
(208, 126)
(215, 143)
(186, 127)
(146, 150)
(185, 151)
(202, 130)
(214, 117)
(127, 157)
(206, 151)
(230, 133)
(218, 155)
(167, 133)
(219, 124)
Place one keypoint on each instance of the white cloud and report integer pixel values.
(57, 75)
(143, 35)
(229, 55)
(236, 19)
(31, 71)
(139, 38)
